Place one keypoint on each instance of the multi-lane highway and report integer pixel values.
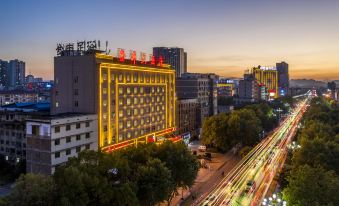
(249, 181)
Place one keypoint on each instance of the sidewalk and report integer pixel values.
(207, 178)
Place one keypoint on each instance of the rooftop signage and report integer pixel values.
(84, 47)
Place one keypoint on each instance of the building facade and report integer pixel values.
(3, 74)
(176, 57)
(202, 87)
(134, 100)
(283, 78)
(51, 140)
(248, 89)
(187, 110)
(13, 128)
(268, 77)
(16, 73)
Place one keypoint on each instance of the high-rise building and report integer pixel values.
(203, 87)
(187, 110)
(176, 57)
(134, 100)
(3, 74)
(248, 89)
(16, 73)
(268, 77)
(283, 78)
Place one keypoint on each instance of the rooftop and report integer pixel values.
(27, 107)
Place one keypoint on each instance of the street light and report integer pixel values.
(275, 200)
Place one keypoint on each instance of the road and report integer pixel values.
(248, 182)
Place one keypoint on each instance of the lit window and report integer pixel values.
(135, 123)
(56, 104)
(128, 101)
(120, 113)
(141, 78)
(153, 89)
(141, 100)
(104, 91)
(142, 121)
(142, 111)
(104, 76)
(121, 125)
(128, 124)
(135, 112)
(129, 112)
(104, 103)
(120, 78)
(135, 101)
(129, 135)
(135, 90)
(158, 89)
(141, 90)
(128, 90)
(121, 91)
(135, 77)
(120, 101)
(128, 77)
(105, 116)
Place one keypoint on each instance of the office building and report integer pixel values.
(16, 73)
(187, 110)
(13, 128)
(134, 100)
(268, 77)
(176, 57)
(202, 87)
(283, 78)
(52, 139)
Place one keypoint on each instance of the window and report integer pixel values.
(141, 90)
(56, 104)
(57, 142)
(78, 149)
(120, 77)
(76, 103)
(135, 90)
(87, 135)
(68, 139)
(141, 100)
(135, 112)
(120, 113)
(77, 125)
(128, 124)
(57, 154)
(135, 100)
(76, 79)
(57, 129)
(128, 101)
(128, 90)
(78, 137)
(35, 130)
(76, 92)
(87, 124)
(88, 146)
(104, 90)
(121, 90)
(68, 127)
(135, 77)
(68, 151)
(128, 77)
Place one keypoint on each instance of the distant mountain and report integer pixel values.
(307, 83)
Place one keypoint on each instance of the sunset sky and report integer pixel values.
(225, 37)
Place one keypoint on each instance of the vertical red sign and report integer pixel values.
(121, 55)
(133, 57)
(161, 61)
(142, 58)
(152, 59)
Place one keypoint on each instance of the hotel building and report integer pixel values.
(268, 77)
(134, 100)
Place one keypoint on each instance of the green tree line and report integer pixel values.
(245, 125)
(312, 176)
(145, 175)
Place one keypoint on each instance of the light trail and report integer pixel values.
(248, 182)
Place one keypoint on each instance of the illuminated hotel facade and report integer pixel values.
(268, 77)
(134, 100)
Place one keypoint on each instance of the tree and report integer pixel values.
(312, 186)
(154, 182)
(33, 190)
(177, 159)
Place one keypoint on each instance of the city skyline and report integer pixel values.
(223, 37)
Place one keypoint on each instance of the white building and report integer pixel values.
(52, 140)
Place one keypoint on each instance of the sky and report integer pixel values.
(225, 37)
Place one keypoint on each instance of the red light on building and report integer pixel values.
(143, 58)
(161, 61)
(133, 57)
(152, 59)
(121, 55)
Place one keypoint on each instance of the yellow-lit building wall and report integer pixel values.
(136, 104)
(269, 78)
